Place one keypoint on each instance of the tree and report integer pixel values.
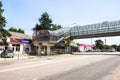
(20, 31)
(114, 46)
(118, 47)
(12, 29)
(45, 22)
(3, 32)
(107, 47)
(16, 30)
(99, 44)
(2, 19)
(55, 27)
(37, 27)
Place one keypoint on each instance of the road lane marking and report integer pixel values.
(35, 79)
(24, 67)
(68, 69)
(38, 62)
(30, 66)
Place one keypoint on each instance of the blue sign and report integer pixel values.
(24, 41)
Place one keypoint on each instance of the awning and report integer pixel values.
(73, 43)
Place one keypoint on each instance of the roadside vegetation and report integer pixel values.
(12, 29)
(3, 32)
(99, 44)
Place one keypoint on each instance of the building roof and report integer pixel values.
(20, 35)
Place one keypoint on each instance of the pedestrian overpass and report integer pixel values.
(104, 29)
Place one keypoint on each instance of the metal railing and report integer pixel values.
(58, 35)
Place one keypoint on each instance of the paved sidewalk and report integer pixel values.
(19, 57)
(16, 57)
(25, 56)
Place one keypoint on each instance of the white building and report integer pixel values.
(19, 43)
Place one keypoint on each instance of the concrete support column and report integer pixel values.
(39, 50)
(48, 50)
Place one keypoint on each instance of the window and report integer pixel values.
(16, 47)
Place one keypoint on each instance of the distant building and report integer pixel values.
(85, 47)
(19, 43)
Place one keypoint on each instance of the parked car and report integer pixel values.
(7, 54)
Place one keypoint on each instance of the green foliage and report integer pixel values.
(37, 27)
(114, 46)
(3, 33)
(45, 22)
(55, 27)
(99, 44)
(118, 47)
(12, 29)
(20, 31)
(107, 47)
(2, 19)
(16, 30)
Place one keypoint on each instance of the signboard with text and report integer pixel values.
(27, 41)
(14, 40)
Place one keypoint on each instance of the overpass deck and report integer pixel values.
(103, 29)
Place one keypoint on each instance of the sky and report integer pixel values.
(24, 14)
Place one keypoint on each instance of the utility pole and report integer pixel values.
(105, 41)
(91, 41)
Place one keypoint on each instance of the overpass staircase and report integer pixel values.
(51, 37)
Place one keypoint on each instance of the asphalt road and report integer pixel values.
(70, 67)
(95, 71)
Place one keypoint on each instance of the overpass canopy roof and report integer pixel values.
(60, 32)
(106, 28)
